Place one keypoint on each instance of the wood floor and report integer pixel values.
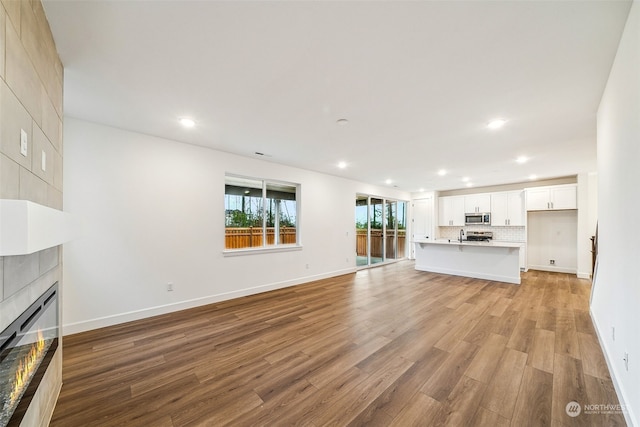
(382, 347)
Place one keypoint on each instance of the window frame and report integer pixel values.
(265, 247)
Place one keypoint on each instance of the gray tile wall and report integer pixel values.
(1, 279)
(31, 81)
(23, 278)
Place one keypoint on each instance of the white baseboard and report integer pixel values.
(584, 275)
(553, 269)
(101, 322)
(628, 414)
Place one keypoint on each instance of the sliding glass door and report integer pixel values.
(376, 252)
(362, 231)
(380, 230)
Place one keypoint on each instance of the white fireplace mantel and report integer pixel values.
(27, 227)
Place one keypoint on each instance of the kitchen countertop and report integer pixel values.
(492, 243)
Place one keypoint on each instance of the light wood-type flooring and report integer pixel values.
(388, 346)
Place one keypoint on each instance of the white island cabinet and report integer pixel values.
(497, 261)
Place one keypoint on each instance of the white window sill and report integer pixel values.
(261, 250)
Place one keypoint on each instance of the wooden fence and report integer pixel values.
(376, 243)
(248, 237)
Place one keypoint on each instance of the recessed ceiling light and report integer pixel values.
(496, 124)
(342, 122)
(342, 165)
(187, 122)
(421, 190)
(469, 184)
(465, 179)
(442, 172)
(388, 181)
(533, 177)
(522, 159)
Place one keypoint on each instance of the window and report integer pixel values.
(260, 213)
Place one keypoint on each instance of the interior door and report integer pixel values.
(422, 220)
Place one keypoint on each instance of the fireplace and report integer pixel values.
(26, 349)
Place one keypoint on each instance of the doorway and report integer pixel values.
(380, 230)
(422, 220)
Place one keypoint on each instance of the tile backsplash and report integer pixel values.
(509, 234)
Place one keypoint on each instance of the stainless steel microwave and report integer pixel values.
(477, 219)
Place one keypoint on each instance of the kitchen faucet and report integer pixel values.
(461, 234)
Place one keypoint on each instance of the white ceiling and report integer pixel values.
(418, 81)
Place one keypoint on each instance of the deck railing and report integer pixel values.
(249, 237)
(376, 243)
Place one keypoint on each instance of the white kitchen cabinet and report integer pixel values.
(507, 208)
(477, 203)
(451, 211)
(557, 197)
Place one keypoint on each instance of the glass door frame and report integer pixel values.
(386, 204)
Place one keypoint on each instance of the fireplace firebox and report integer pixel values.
(26, 348)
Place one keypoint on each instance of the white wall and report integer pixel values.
(153, 213)
(552, 235)
(616, 291)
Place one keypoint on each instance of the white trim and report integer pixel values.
(628, 413)
(552, 269)
(101, 322)
(27, 227)
(261, 249)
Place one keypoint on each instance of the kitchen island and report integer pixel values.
(498, 261)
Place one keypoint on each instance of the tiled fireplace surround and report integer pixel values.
(31, 84)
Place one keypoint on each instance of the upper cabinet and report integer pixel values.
(507, 208)
(477, 203)
(451, 211)
(555, 197)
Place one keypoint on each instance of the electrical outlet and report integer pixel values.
(43, 163)
(626, 361)
(23, 142)
(347, 259)
(169, 286)
(552, 262)
(613, 333)
(307, 266)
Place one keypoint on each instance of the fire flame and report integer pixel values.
(26, 367)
